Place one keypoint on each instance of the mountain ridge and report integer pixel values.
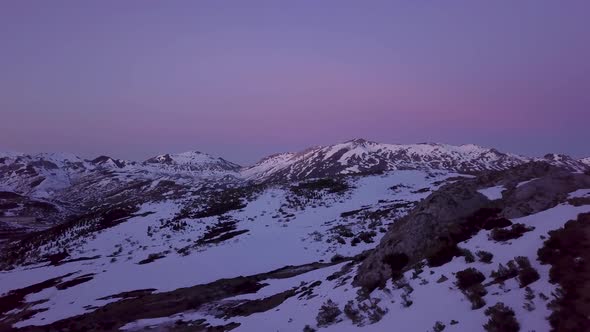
(26, 172)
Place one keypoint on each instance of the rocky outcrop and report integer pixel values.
(422, 232)
(458, 210)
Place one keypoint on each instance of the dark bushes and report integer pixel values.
(468, 278)
(514, 232)
(527, 274)
(469, 282)
(505, 272)
(519, 267)
(328, 314)
(567, 250)
(502, 319)
(496, 223)
(367, 237)
(469, 258)
(475, 295)
(152, 258)
(353, 313)
(485, 256)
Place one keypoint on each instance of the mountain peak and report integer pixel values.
(362, 156)
(359, 141)
(193, 161)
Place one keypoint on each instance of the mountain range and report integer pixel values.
(36, 174)
(353, 236)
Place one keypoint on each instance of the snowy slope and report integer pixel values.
(361, 156)
(40, 175)
(193, 161)
(297, 234)
(168, 246)
(178, 225)
(566, 161)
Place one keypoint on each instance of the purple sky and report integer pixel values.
(243, 79)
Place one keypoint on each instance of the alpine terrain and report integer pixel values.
(355, 236)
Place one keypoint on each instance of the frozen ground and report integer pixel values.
(270, 243)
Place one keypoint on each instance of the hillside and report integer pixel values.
(431, 239)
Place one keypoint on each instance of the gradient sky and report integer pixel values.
(243, 79)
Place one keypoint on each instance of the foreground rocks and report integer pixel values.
(458, 210)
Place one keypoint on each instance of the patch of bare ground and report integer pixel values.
(144, 304)
(15, 300)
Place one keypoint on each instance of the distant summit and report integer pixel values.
(363, 156)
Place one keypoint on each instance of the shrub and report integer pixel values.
(337, 258)
(316, 236)
(475, 295)
(151, 258)
(374, 311)
(308, 328)
(485, 256)
(563, 250)
(439, 327)
(502, 319)
(519, 267)
(370, 307)
(418, 269)
(353, 313)
(529, 296)
(469, 258)
(514, 232)
(505, 272)
(527, 274)
(406, 301)
(469, 277)
(469, 281)
(328, 314)
(343, 231)
(496, 223)
(367, 237)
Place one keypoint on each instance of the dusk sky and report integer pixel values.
(243, 79)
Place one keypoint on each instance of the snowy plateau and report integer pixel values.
(355, 236)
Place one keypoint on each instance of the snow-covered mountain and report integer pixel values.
(414, 250)
(42, 174)
(347, 237)
(192, 161)
(45, 174)
(362, 156)
(108, 162)
(566, 161)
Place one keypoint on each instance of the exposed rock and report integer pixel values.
(422, 231)
(457, 211)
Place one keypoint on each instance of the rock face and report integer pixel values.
(442, 216)
(542, 193)
(421, 231)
